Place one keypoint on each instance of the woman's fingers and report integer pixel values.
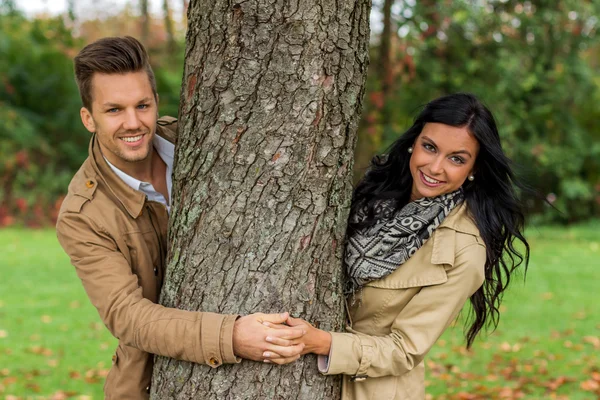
(274, 351)
(282, 342)
(282, 361)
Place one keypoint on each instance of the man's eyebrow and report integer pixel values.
(454, 152)
(116, 105)
(111, 105)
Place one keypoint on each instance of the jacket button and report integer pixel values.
(147, 389)
(155, 271)
(89, 184)
(213, 361)
(114, 358)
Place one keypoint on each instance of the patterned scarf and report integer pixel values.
(377, 251)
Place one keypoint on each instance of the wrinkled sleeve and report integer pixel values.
(416, 328)
(113, 289)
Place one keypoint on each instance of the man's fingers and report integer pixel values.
(275, 318)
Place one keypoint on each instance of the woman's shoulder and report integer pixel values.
(461, 220)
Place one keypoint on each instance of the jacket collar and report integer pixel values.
(444, 237)
(131, 199)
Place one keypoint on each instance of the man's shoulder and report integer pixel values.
(84, 193)
(167, 128)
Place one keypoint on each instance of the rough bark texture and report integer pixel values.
(270, 103)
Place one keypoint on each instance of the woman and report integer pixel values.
(432, 224)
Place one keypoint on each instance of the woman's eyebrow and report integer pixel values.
(454, 152)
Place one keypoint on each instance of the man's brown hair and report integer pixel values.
(110, 55)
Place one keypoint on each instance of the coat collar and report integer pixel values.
(444, 237)
(131, 199)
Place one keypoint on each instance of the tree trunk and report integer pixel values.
(71, 10)
(270, 103)
(185, 4)
(145, 19)
(171, 45)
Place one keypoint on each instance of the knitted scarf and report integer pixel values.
(377, 251)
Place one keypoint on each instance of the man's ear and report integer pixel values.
(87, 119)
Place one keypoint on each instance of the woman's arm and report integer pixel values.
(414, 331)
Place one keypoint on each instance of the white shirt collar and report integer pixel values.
(166, 151)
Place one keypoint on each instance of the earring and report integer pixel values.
(471, 178)
(410, 149)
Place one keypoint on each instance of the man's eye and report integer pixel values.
(143, 106)
(112, 110)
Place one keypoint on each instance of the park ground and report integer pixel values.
(547, 346)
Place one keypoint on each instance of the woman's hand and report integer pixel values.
(251, 335)
(315, 340)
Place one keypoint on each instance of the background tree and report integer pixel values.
(145, 20)
(262, 183)
(171, 43)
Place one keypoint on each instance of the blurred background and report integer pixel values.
(534, 63)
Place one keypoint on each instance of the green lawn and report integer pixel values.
(53, 345)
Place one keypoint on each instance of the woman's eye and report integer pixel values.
(457, 160)
(428, 147)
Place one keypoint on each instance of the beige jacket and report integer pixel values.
(117, 241)
(401, 316)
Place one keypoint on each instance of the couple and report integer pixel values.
(429, 225)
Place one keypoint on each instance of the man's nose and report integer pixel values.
(132, 122)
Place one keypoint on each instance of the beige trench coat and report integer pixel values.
(401, 316)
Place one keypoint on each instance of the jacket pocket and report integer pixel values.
(109, 383)
(383, 388)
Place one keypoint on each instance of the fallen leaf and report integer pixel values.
(590, 385)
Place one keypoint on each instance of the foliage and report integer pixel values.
(532, 64)
(42, 140)
(535, 63)
(53, 344)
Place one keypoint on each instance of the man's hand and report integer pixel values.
(253, 334)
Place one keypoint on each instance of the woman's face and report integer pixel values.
(443, 157)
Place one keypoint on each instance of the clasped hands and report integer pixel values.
(277, 338)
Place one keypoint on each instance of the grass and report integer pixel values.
(53, 345)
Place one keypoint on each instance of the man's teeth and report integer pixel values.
(131, 139)
(430, 180)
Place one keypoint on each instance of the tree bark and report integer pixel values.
(270, 104)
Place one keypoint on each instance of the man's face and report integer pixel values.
(123, 115)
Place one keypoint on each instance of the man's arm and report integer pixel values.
(200, 337)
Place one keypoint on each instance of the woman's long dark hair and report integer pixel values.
(491, 198)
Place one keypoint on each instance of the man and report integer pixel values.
(113, 226)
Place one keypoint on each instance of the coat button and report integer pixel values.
(155, 271)
(213, 361)
(89, 184)
(147, 389)
(114, 359)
